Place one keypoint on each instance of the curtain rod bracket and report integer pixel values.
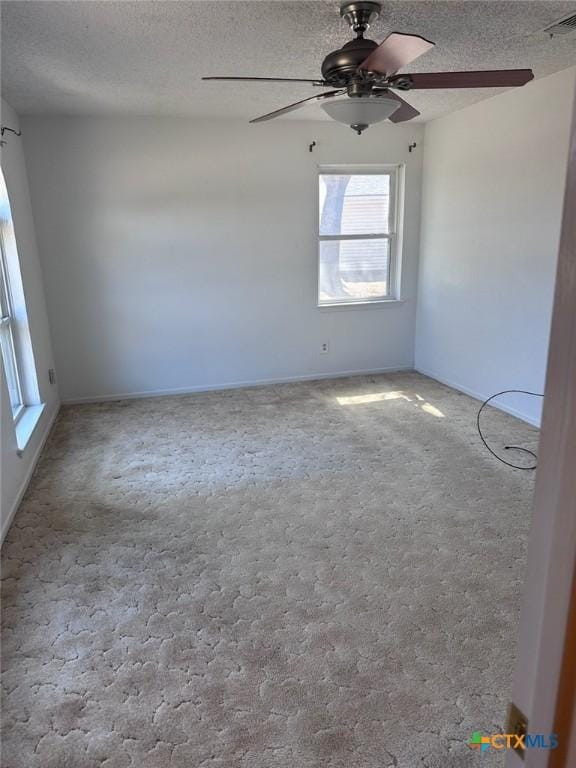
(5, 128)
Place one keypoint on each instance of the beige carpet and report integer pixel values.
(319, 574)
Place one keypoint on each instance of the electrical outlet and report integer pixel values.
(324, 348)
(52, 376)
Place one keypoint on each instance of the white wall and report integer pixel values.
(15, 469)
(491, 211)
(181, 255)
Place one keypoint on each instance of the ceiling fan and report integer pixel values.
(367, 72)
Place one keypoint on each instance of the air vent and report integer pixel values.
(563, 26)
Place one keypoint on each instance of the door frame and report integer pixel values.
(544, 686)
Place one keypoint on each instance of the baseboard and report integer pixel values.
(481, 396)
(28, 475)
(233, 385)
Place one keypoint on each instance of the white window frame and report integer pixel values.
(27, 407)
(394, 236)
(7, 331)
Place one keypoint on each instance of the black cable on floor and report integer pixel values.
(507, 447)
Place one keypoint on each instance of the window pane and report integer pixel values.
(6, 334)
(354, 270)
(354, 204)
(9, 360)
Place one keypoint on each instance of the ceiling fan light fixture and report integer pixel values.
(360, 112)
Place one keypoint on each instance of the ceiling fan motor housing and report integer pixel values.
(339, 66)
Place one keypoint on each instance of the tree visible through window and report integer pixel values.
(357, 237)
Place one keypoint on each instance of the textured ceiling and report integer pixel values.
(145, 57)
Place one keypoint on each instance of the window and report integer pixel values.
(7, 335)
(358, 236)
(15, 340)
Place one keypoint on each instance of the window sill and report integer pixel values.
(360, 304)
(27, 424)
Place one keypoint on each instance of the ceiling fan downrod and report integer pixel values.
(360, 15)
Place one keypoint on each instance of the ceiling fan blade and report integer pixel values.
(297, 105)
(496, 78)
(395, 52)
(404, 112)
(267, 80)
